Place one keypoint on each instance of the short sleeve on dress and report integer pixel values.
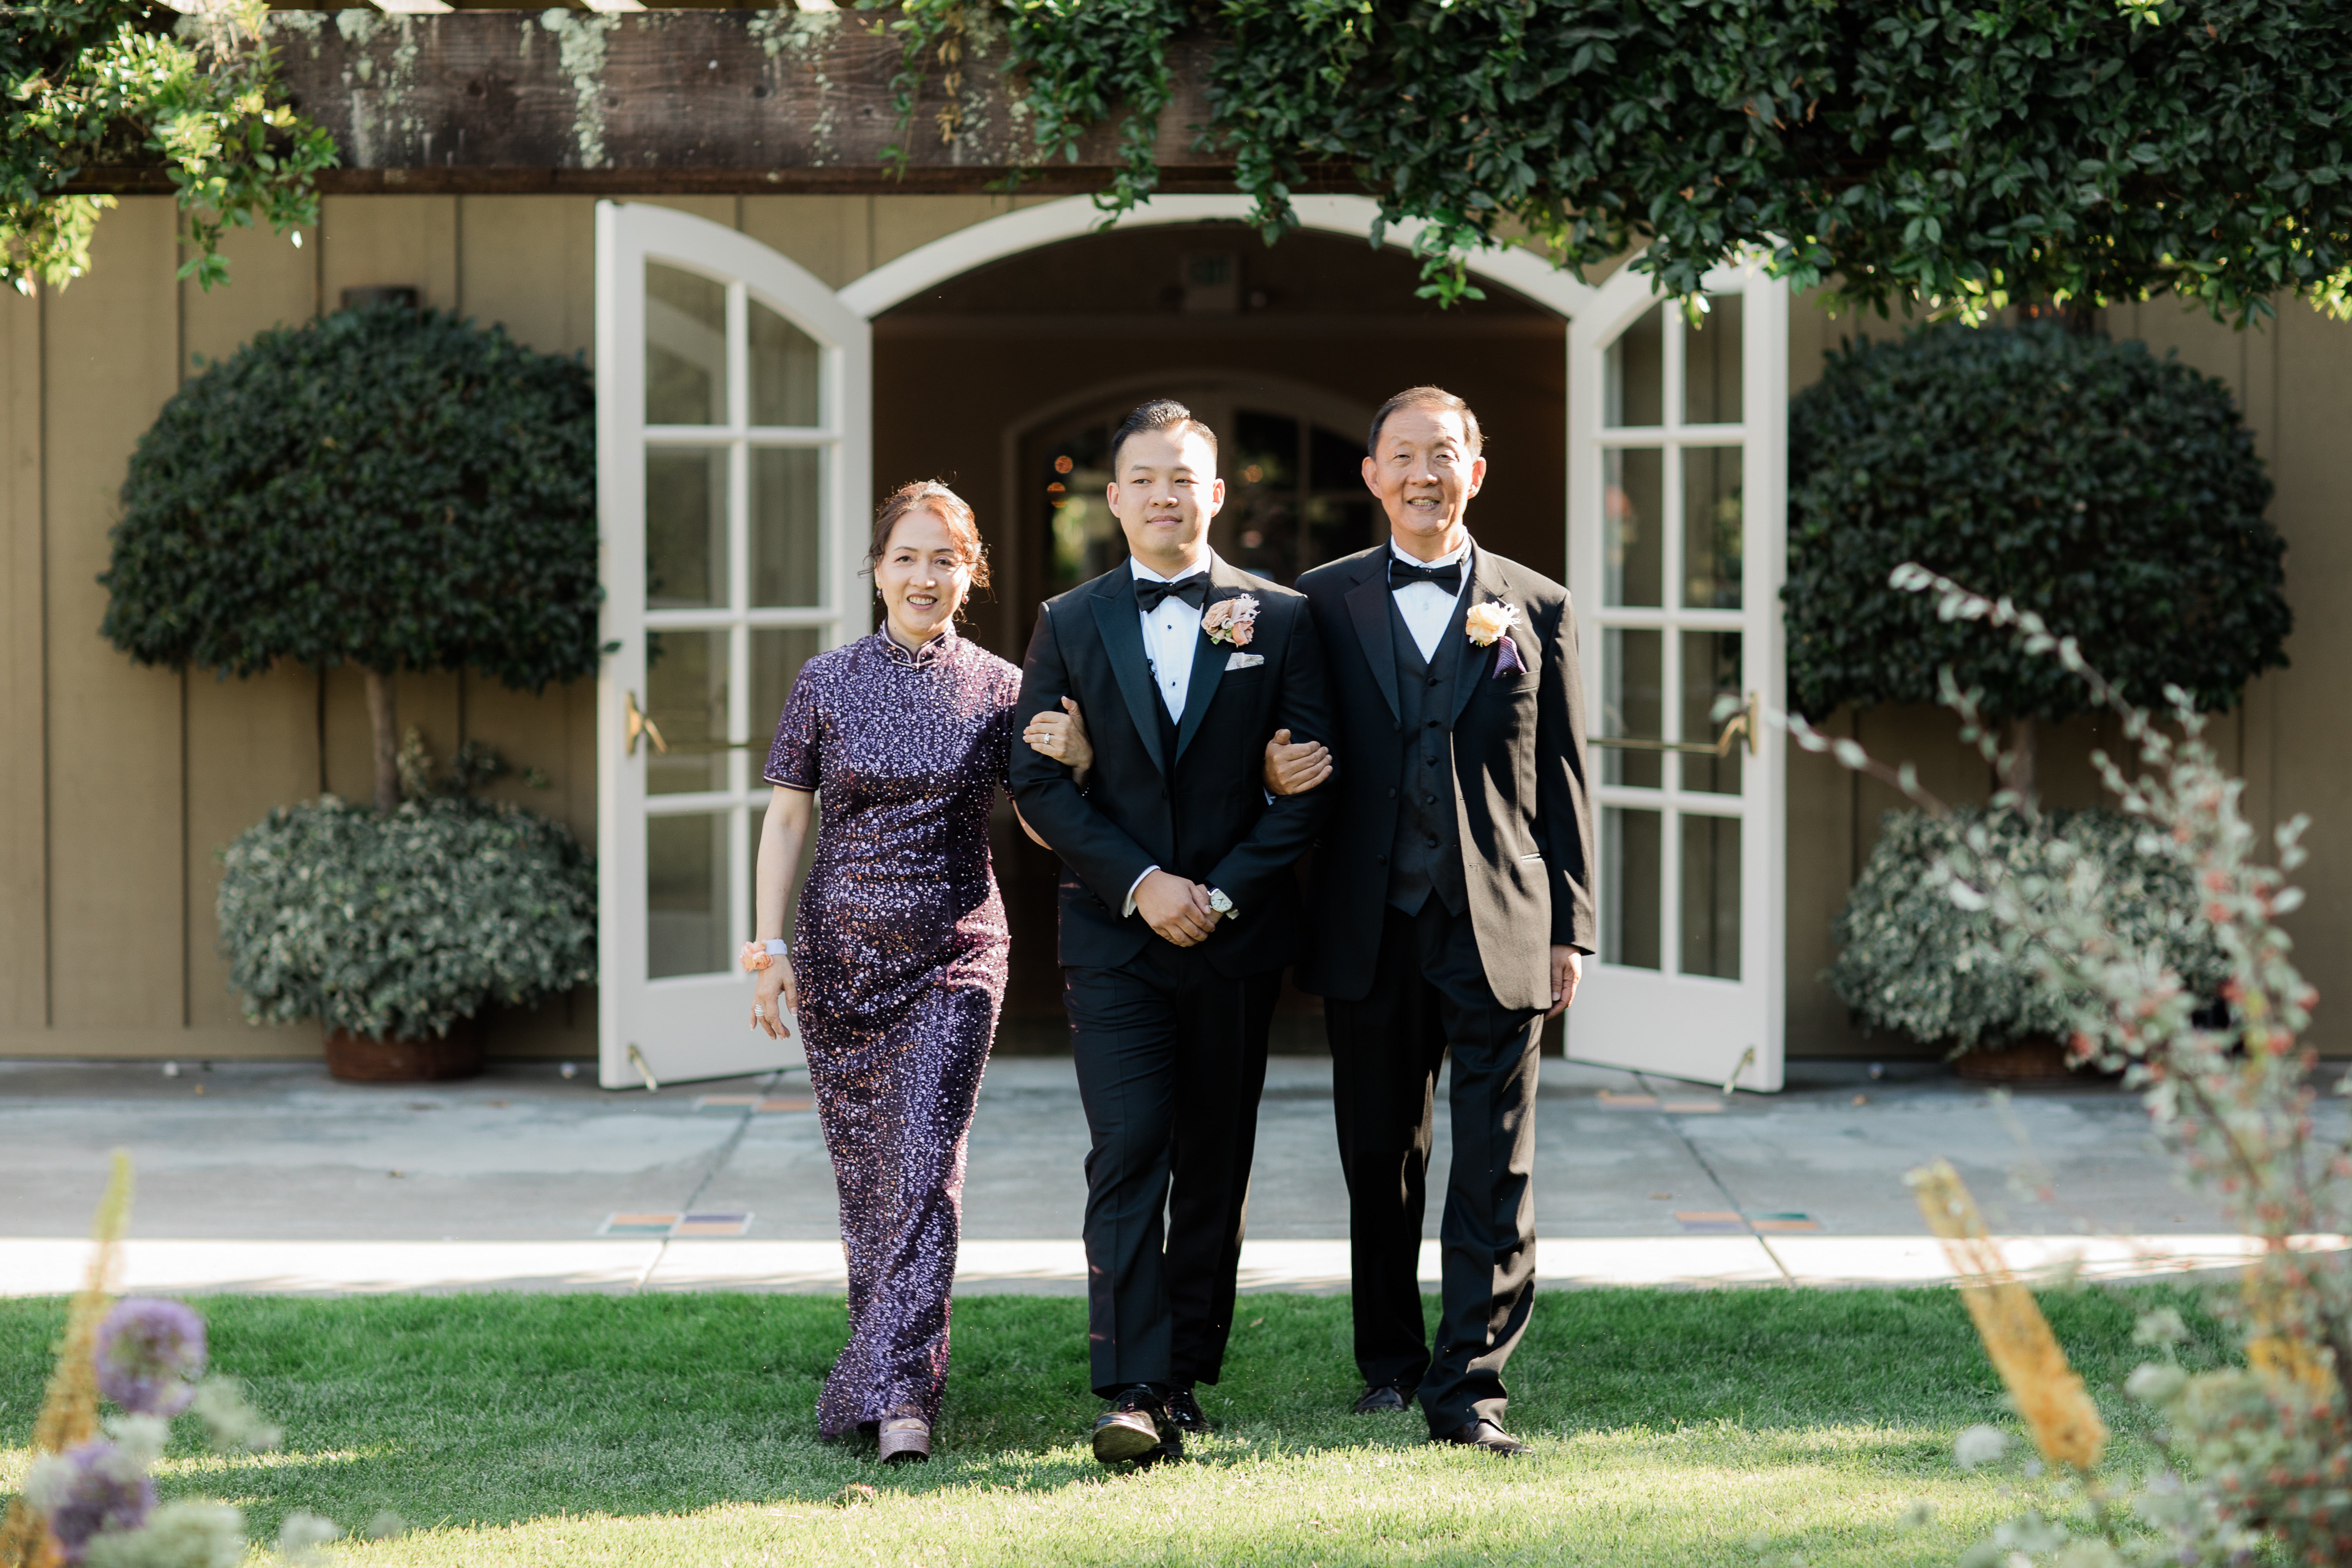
(793, 761)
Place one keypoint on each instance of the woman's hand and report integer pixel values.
(1063, 737)
(775, 985)
(1295, 769)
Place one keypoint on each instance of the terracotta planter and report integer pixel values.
(2034, 1060)
(357, 1059)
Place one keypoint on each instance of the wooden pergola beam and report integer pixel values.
(771, 102)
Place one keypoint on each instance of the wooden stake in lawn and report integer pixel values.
(2048, 1393)
(69, 1413)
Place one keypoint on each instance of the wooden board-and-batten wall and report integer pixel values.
(117, 784)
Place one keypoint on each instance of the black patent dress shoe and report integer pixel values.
(1384, 1397)
(1130, 1431)
(1481, 1434)
(1184, 1412)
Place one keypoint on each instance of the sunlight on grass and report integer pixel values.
(1748, 1428)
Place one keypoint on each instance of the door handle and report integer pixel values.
(1741, 725)
(639, 723)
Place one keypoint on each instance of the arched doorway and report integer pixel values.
(944, 361)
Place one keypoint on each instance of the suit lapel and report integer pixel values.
(1118, 618)
(1208, 657)
(1477, 664)
(1368, 607)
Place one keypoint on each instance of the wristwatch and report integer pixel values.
(1219, 903)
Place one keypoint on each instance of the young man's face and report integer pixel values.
(1164, 494)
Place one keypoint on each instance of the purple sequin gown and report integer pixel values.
(899, 954)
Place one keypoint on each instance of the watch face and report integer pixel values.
(1219, 903)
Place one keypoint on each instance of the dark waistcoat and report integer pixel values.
(1426, 857)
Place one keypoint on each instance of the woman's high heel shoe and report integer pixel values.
(904, 1440)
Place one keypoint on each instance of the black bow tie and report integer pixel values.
(1150, 592)
(1403, 572)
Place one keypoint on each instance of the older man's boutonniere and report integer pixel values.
(1489, 623)
(1233, 620)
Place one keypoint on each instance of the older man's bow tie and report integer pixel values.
(1403, 572)
(1148, 593)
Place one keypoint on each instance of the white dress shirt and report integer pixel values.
(1425, 606)
(1170, 634)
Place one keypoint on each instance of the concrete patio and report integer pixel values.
(274, 1177)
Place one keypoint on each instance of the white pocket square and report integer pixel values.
(1244, 660)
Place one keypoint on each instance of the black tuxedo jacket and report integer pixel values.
(1524, 821)
(1200, 812)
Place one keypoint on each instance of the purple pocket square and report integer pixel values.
(1506, 658)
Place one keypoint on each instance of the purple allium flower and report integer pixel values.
(90, 1487)
(150, 1355)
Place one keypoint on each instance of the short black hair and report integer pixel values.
(1159, 414)
(1436, 398)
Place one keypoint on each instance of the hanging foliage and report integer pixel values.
(1964, 156)
(118, 81)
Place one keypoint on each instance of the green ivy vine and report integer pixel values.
(118, 81)
(1957, 153)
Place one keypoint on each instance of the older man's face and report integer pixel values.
(1424, 473)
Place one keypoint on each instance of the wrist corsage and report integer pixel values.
(759, 955)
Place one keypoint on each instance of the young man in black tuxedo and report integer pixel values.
(1451, 908)
(1178, 909)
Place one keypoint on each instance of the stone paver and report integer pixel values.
(273, 1175)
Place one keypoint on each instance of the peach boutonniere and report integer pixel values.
(1489, 623)
(1233, 620)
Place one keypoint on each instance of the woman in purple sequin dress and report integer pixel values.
(897, 966)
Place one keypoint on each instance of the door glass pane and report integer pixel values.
(686, 528)
(685, 347)
(1632, 674)
(777, 655)
(1632, 543)
(685, 695)
(1711, 363)
(785, 365)
(1633, 374)
(785, 525)
(1710, 912)
(1630, 883)
(1711, 528)
(687, 916)
(1710, 671)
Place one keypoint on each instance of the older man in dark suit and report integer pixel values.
(1451, 909)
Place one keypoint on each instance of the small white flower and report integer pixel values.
(1978, 1445)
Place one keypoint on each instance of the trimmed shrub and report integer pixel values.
(393, 925)
(2116, 493)
(1916, 962)
(394, 488)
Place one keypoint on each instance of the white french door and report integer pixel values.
(733, 391)
(1677, 472)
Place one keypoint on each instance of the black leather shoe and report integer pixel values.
(1184, 1412)
(1130, 1429)
(1481, 1434)
(1384, 1397)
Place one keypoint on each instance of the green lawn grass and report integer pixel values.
(1670, 1428)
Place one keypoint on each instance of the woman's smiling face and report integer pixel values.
(923, 576)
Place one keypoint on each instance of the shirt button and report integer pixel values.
(1432, 680)
(1432, 841)
(1432, 724)
(1429, 800)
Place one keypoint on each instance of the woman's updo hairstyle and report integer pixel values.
(953, 509)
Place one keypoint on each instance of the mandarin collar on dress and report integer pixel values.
(932, 652)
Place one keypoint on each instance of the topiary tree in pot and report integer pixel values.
(2114, 493)
(385, 487)
(402, 490)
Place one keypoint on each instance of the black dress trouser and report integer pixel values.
(1171, 1059)
(1430, 997)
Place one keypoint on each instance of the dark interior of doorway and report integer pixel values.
(1006, 381)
